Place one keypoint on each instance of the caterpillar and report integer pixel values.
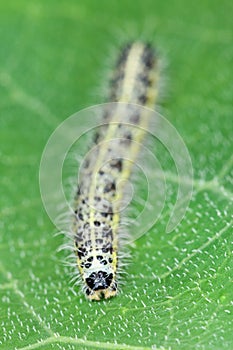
(97, 206)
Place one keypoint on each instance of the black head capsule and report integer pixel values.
(100, 285)
(99, 280)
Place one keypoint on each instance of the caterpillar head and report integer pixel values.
(100, 285)
(99, 278)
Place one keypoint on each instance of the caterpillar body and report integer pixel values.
(97, 215)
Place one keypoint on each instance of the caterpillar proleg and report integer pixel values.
(97, 209)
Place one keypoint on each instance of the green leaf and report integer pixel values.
(178, 291)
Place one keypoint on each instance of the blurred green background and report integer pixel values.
(178, 291)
